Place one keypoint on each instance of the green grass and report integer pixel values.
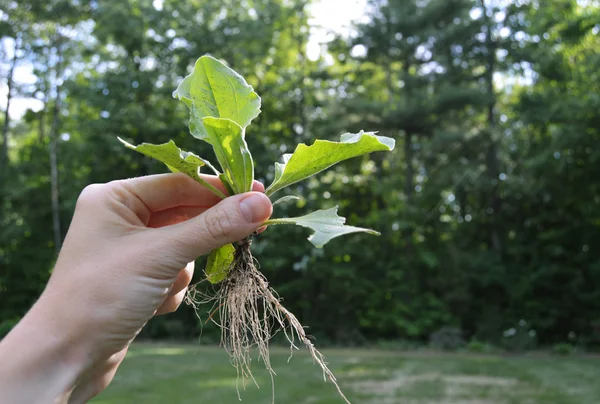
(190, 374)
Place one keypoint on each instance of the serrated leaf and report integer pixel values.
(175, 159)
(307, 161)
(227, 140)
(213, 89)
(219, 263)
(326, 225)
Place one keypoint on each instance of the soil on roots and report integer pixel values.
(249, 312)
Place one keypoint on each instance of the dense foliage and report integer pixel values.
(489, 206)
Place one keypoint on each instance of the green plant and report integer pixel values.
(520, 338)
(221, 106)
(479, 346)
(397, 345)
(563, 349)
(447, 338)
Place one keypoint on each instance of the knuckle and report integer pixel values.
(91, 194)
(219, 225)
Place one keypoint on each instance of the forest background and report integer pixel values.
(489, 207)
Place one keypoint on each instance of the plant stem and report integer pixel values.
(272, 222)
(211, 188)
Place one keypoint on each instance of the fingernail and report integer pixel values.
(255, 208)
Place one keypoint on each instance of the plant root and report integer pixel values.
(249, 312)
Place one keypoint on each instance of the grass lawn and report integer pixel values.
(198, 374)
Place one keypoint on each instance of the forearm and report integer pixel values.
(41, 360)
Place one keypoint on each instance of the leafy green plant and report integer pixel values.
(479, 346)
(520, 338)
(447, 338)
(563, 349)
(221, 106)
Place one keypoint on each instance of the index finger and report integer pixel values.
(166, 191)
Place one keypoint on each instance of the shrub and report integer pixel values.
(563, 349)
(520, 338)
(447, 338)
(478, 346)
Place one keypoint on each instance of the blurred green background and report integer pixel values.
(489, 207)
(187, 374)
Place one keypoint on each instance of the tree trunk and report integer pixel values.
(300, 99)
(4, 160)
(53, 150)
(307, 279)
(42, 116)
(409, 185)
(492, 162)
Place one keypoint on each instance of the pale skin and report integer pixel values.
(128, 256)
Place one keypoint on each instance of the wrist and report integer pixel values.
(42, 359)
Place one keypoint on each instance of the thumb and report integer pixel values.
(231, 220)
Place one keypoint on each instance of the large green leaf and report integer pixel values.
(214, 89)
(218, 263)
(307, 161)
(326, 225)
(176, 160)
(227, 140)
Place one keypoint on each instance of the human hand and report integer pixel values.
(128, 256)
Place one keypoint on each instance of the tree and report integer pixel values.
(488, 206)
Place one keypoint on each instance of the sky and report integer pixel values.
(327, 16)
(330, 16)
